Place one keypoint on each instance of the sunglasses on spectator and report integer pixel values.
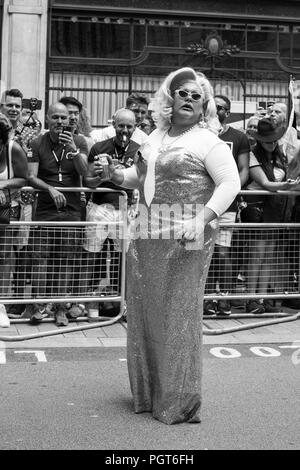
(192, 94)
(221, 108)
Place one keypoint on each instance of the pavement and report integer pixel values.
(90, 334)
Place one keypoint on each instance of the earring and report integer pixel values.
(202, 122)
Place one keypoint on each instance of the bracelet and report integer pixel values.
(71, 155)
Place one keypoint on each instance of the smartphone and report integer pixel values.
(68, 129)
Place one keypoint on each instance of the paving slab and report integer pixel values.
(115, 335)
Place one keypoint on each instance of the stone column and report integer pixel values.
(24, 47)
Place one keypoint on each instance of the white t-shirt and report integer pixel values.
(98, 135)
(279, 173)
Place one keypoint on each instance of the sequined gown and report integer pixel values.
(165, 288)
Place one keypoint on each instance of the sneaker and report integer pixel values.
(75, 311)
(38, 313)
(224, 308)
(210, 307)
(15, 311)
(255, 306)
(50, 309)
(28, 312)
(4, 320)
(61, 317)
(270, 308)
(109, 309)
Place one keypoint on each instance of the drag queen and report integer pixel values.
(186, 167)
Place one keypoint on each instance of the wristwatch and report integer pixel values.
(72, 154)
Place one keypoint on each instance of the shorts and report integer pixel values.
(224, 235)
(55, 242)
(95, 235)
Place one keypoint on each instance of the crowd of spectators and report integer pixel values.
(271, 166)
(67, 154)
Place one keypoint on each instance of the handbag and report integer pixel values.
(5, 209)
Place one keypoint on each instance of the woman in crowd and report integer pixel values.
(268, 171)
(252, 126)
(186, 168)
(147, 125)
(13, 175)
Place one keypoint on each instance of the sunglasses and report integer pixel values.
(192, 94)
(221, 108)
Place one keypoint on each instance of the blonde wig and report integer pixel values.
(163, 100)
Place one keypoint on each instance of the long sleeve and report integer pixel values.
(222, 168)
(131, 180)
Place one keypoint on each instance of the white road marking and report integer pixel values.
(220, 352)
(228, 353)
(265, 351)
(2, 357)
(40, 355)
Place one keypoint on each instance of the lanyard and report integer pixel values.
(59, 161)
(122, 155)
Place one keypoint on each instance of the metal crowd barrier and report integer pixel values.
(37, 274)
(263, 256)
(58, 262)
(264, 264)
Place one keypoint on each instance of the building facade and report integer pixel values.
(101, 50)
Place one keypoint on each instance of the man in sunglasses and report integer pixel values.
(221, 269)
(138, 104)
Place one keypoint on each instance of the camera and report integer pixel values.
(32, 103)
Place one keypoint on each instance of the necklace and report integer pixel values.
(165, 146)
